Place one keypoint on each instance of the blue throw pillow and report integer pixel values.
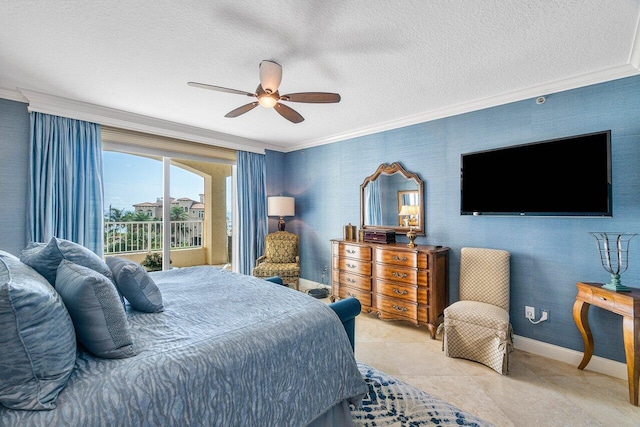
(37, 338)
(135, 284)
(45, 258)
(96, 311)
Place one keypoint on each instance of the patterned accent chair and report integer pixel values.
(477, 326)
(280, 258)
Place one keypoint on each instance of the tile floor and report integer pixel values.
(537, 392)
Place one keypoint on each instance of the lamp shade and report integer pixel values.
(281, 206)
(409, 210)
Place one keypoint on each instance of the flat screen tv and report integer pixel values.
(561, 177)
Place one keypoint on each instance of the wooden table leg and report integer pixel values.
(580, 316)
(631, 342)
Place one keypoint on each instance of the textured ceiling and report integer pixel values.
(394, 63)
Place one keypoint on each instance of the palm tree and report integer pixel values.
(178, 214)
(115, 215)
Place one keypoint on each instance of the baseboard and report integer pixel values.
(555, 352)
(572, 357)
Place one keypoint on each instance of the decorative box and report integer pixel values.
(380, 236)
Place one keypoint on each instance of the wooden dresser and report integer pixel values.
(392, 280)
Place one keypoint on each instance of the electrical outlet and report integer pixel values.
(545, 315)
(529, 312)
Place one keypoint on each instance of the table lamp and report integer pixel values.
(408, 212)
(281, 206)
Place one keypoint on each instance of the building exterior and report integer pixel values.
(195, 209)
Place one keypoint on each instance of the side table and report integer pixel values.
(627, 305)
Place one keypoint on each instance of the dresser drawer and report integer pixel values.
(397, 307)
(396, 273)
(396, 290)
(363, 297)
(403, 258)
(355, 266)
(354, 251)
(355, 281)
(602, 298)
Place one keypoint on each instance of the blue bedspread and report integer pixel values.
(229, 350)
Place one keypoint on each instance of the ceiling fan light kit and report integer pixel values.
(268, 96)
(270, 76)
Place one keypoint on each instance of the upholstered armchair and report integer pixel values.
(477, 326)
(280, 258)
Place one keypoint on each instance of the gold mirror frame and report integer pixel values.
(388, 170)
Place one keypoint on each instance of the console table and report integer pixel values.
(627, 305)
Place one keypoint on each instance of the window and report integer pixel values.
(134, 187)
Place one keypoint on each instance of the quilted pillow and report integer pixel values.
(45, 258)
(96, 311)
(135, 284)
(38, 350)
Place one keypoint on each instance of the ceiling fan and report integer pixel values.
(268, 96)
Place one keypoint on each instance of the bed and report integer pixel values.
(228, 350)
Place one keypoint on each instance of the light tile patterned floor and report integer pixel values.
(537, 392)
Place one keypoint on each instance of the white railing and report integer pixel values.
(146, 236)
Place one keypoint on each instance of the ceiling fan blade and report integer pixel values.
(270, 76)
(241, 110)
(311, 97)
(220, 89)
(288, 113)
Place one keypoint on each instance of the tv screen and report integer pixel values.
(561, 177)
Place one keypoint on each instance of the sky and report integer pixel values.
(130, 179)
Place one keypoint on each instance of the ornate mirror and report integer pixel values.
(392, 198)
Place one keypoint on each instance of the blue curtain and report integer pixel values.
(373, 199)
(65, 191)
(252, 209)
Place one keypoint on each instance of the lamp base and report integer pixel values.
(615, 284)
(281, 224)
(412, 236)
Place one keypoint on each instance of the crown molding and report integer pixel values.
(50, 104)
(12, 95)
(614, 73)
(634, 56)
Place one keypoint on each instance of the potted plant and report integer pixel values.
(153, 262)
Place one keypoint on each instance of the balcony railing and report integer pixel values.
(146, 236)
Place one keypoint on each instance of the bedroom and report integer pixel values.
(549, 254)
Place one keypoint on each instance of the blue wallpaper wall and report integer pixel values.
(549, 255)
(14, 178)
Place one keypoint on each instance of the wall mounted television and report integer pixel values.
(561, 177)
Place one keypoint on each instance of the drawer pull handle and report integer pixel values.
(396, 274)
(602, 298)
(399, 308)
(351, 265)
(397, 258)
(350, 294)
(350, 280)
(351, 251)
(396, 291)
